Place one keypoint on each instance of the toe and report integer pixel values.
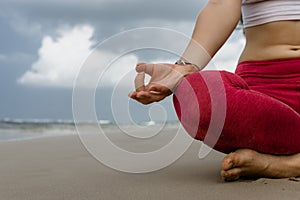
(237, 159)
(231, 175)
(228, 162)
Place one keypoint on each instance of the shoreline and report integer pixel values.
(32, 130)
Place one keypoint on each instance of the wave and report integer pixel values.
(9, 121)
(19, 129)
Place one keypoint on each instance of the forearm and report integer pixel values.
(214, 25)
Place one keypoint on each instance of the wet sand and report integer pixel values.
(58, 168)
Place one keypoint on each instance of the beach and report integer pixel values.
(59, 167)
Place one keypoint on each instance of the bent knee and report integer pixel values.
(201, 96)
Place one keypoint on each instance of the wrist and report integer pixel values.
(196, 54)
(185, 70)
(190, 67)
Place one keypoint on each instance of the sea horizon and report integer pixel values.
(22, 129)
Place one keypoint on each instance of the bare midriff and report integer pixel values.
(272, 41)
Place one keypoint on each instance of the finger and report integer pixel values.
(143, 95)
(147, 98)
(155, 90)
(139, 95)
(146, 68)
(159, 89)
(156, 97)
(141, 63)
(146, 101)
(139, 82)
(132, 95)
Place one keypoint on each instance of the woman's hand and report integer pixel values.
(164, 79)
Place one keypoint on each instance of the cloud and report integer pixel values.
(37, 18)
(106, 9)
(25, 26)
(61, 59)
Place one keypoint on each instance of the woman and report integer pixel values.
(262, 126)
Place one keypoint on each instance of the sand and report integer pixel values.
(61, 168)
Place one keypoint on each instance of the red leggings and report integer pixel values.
(262, 104)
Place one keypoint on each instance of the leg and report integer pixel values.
(253, 120)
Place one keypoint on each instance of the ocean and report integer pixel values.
(17, 129)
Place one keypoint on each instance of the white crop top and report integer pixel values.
(256, 12)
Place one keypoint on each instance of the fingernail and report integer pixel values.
(154, 92)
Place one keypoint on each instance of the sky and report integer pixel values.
(46, 44)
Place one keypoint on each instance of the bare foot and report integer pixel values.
(249, 163)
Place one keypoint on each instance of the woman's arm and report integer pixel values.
(214, 25)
